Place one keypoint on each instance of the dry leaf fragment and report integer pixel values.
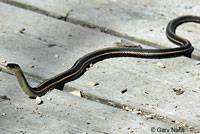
(22, 30)
(8, 102)
(125, 43)
(178, 91)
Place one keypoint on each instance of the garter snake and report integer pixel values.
(185, 48)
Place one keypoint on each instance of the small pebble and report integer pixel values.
(139, 112)
(21, 118)
(161, 117)
(149, 117)
(197, 63)
(49, 98)
(76, 92)
(160, 65)
(31, 66)
(3, 61)
(51, 45)
(96, 66)
(125, 107)
(57, 56)
(190, 127)
(124, 91)
(181, 124)
(173, 121)
(38, 100)
(4, 115)
(91, 65)
(93, 84)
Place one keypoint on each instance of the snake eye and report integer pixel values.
(10, 66)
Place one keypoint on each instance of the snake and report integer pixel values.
(184, 48)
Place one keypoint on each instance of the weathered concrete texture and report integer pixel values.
(130, 19)
(64, 113)
(52, 46)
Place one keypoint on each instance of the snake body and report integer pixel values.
(185, 48)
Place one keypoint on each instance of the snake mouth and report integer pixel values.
(11, 66)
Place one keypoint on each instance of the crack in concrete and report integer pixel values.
(147, 115)
(31, 8)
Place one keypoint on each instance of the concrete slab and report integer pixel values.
(128, 19)
(155, 92)
(65, 113)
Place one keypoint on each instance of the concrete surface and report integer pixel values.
(65, 113)
(128, 19)
(152, 91)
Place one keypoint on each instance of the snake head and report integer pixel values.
(11, 66)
